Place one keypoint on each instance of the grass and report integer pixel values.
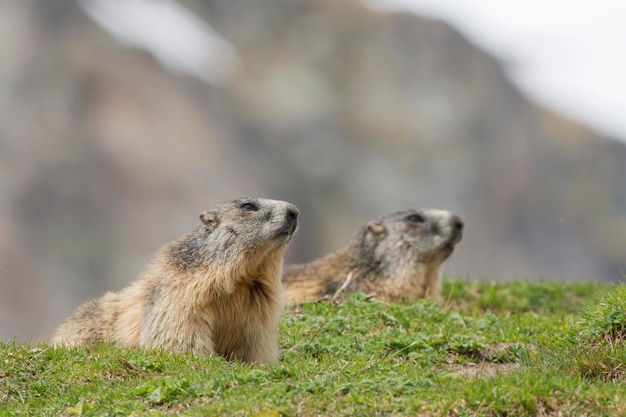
(503, 349)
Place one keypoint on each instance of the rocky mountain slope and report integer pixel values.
(346, 112)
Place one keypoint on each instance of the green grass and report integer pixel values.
(504, 349)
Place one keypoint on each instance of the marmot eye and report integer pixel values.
(415, 218)
(249, 207)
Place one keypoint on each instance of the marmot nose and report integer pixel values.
(292, 217)
(292, 212)
(457, 230)
(457, 223)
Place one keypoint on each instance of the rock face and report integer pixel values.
(346, 112)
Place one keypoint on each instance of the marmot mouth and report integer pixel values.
(288, 229)
(448, 249)
(455, 239)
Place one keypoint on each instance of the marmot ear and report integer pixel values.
(377, 229)
(209, 218)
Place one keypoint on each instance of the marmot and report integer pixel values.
(215, 290)
(397, 257)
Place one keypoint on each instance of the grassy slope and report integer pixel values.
(492, 349)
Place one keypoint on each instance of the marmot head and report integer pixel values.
(403, 239)
(249, 225)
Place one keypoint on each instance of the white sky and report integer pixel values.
(567, 54)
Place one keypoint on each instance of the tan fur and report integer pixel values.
(216, 290)
(398, 257)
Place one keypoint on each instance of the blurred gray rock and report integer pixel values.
(346, 112)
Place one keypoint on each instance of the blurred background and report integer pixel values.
(121, 120)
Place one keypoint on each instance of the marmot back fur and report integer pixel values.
(215, 290)
(397, 257)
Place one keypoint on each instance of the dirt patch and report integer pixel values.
(493, 360)
(482, 369)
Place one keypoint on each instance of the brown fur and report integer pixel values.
(215, 290)
(396, 258)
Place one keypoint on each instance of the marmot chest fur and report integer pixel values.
(215, 290)
(397, 257)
